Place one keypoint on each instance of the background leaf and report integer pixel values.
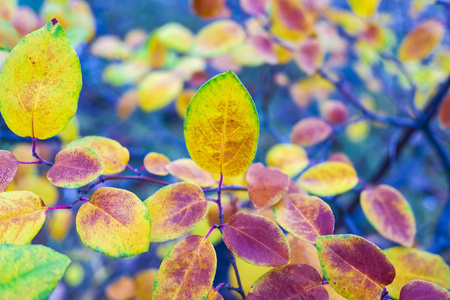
(221, 126)
(390, 213)
(329, 178)
(40, 71)
(155, 163)
(186, 169)
(310, 131)
(418, 289)
(287, 158)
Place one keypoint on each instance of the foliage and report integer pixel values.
(290, 221)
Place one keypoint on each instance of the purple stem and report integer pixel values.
(29, 162)
(41, 160)
(212, 200)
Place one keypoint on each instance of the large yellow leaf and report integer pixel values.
(221, 126)
(40, 83)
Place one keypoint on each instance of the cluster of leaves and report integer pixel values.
(297, 244)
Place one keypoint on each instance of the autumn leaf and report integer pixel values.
(188, 270)
(75, 167)
(40, 71)
(175, 209)
(8, 169)
(114, 222)
(347, 259)
(221, 127)
(257, 240)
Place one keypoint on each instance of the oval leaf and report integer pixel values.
(175, 36)
(8, 169)
(296, 281)
(390, 214)
(158, 89)
(329, 178)
(257, 240)
(288, 158)
(114, 222)
(22, 215)
(265, 187)
(303, 253)
(187, 170)
(347, 259)
(310, 131)
(75, 167)
(305, 217)
(207, 8)
(421, 40)
(30, 271)
(309, 55)
(423, 290)
(416, 264)
(114, 157)
(221, 126)
(156, 163)
(218, 38)
(188, 270)
(40, 71)
(175, 209)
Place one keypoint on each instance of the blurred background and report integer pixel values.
(122, 44)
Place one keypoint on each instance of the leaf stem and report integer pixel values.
(29, 162)
(34, 153)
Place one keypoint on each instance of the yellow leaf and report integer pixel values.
(421, 40)
(158, 89)
(329, 178)
(175, 36)
(41, 70)
(364, 8)
(221, 126)
(218, 38)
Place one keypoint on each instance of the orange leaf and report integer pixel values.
(444, 113)
(114, 222)
(310, 131)
(175, 209)
(303, 253)
(336, 112)
(257, 240)
(348, 259)
(188, 270)
(186, 169)
(421, 40)
(156, 163)
(8, 169)
(207, 8)
(144, 284)
(390, 214)
(127, 104)
(122, 289)
(75, 167)
(22, 215)
(265, 187)
(305, 217)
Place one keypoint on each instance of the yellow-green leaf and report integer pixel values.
(114, 157)
(221, 126)
(22, 215)
(175, 36)
(30, 271)
(364, 8)
(114, 222)
(329, 178)
(41, 71)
